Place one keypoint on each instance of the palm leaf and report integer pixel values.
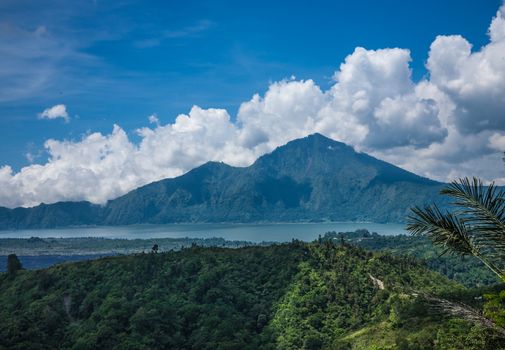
(457, 309)
(482, 210)
(444, 229)
(451, 233)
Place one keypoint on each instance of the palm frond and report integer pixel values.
(482, 210)
(444, 229)
(457, 309)
(451, 233)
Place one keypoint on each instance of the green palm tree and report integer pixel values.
(475, 227)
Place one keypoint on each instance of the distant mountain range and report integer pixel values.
(309, 179)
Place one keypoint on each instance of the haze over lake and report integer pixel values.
(281, 232)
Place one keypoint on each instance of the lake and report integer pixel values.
(281, 232)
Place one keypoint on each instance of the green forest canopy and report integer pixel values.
(300, 295)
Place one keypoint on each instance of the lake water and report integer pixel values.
(281, 232)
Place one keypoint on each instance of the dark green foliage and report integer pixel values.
(308, 296)
(197, 298)
(13, 264)
(314, 178)
(494, 307)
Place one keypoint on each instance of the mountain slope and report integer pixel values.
(313, 178)
(51, 215)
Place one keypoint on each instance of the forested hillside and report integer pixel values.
(466, 270)
(292, 296)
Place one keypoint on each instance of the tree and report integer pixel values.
(475, 227)
(13, 264)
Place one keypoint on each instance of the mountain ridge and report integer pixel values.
(313, 178)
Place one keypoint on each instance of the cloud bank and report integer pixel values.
(449, 124)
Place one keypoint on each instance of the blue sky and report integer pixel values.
(119, 63)
(98, 98)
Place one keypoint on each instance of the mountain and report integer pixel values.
(289, 296)
(51, 215)
(309, 179)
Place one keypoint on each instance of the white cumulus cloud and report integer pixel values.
(55, 112)
(475, 81)
(153, 119)
(449, 124)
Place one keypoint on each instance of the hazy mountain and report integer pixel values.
(51, 215)
(313, 178)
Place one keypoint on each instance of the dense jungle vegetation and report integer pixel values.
(321, 295)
